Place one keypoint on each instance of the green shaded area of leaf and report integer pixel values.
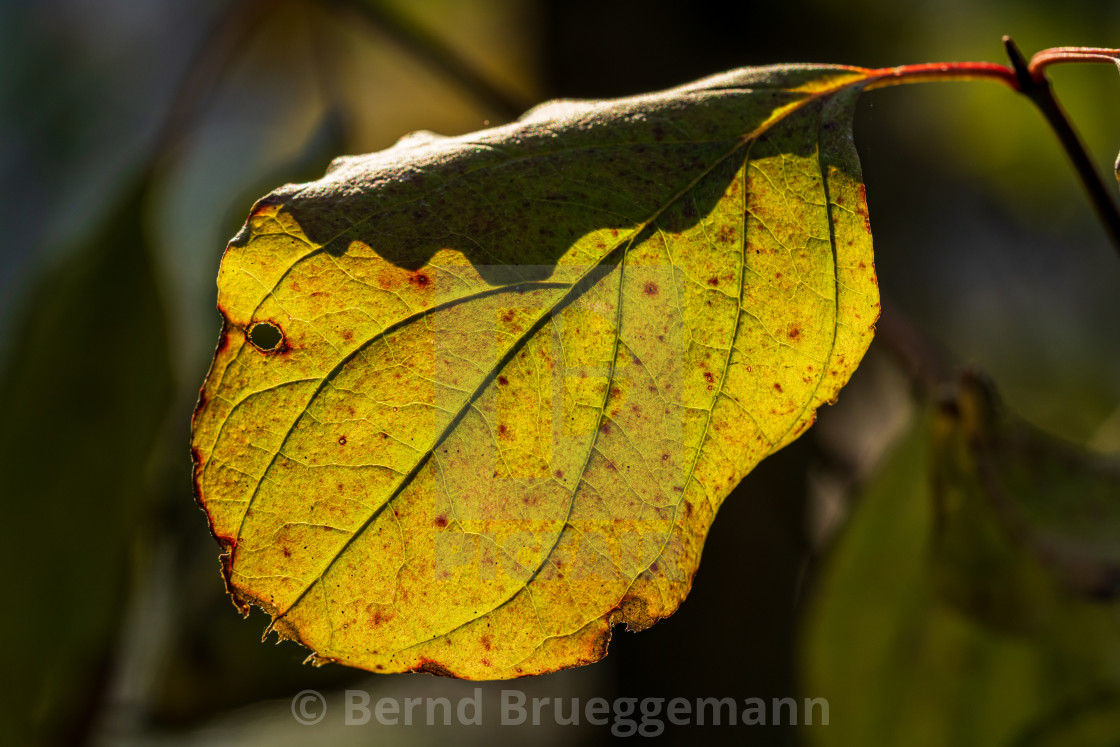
(520, 369)
(88, 381)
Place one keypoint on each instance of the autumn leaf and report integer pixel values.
(478, 399)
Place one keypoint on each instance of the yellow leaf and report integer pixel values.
(516, 372)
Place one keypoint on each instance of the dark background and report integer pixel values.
(134, 136)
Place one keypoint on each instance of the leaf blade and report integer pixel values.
(608, 383)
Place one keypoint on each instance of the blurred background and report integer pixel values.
(134, 137)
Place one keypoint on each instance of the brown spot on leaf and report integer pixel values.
(380, 616)
(709, 377)
(427, 666)
(794, 332)
(713, 281)
(419, 279)
(650, 288)
(861, 208)
(441, 521)
(778, 387)
(486, 642)
(503, 380)
(342, 440)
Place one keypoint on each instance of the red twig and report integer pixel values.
(1058, 55)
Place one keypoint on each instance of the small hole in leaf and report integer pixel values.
(265, 336)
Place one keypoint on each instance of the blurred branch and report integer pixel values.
(324, 60)
(927, 364)
(203, 71)
(428, 47)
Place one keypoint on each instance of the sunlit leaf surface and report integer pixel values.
(477, 399)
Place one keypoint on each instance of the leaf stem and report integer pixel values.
(1033, 83)
(942, 71)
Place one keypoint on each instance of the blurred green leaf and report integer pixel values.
(1093, 722)
(1020, 509)
(902, 664)
(87, 384)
